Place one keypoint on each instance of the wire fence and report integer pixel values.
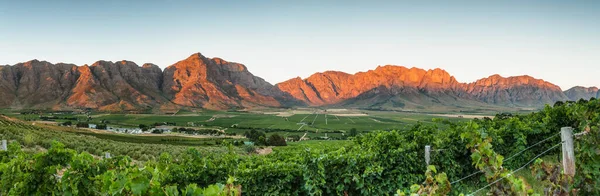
(522, 151)
(468, 176)
(514, 171)
(509, 158)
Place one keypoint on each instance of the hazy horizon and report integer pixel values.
(550, 40)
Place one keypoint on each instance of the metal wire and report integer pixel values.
(581, 133)
(518, 153)
(526, 164)
(509, 158)
(466, 177)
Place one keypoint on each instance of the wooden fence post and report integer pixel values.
(568, 154)
(427, 153)
(4, 148)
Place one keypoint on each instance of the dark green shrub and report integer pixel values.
(276, 140)
(83, 125)
(101, 126)
(158, 131)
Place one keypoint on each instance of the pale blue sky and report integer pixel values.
(558, 41)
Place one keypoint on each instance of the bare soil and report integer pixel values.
(351, 114)
(264, 151)
(462, 116)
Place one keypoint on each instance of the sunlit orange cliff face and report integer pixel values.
(215, 84)
(332, 87)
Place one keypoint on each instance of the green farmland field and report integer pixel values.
(319, 121)
(311, 123)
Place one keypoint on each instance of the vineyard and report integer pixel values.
(467, 158)
(97, 144)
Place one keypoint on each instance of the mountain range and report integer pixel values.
(216, 84)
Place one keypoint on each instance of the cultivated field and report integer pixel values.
(316, 123)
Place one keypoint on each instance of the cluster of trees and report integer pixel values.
(260, 138)
(276, 140)
(294, 138)
(257, 137)
(101, 126)
(353, 132)
(51, 118)
(164, 124)
(199, 132)
(144, 127)
(158, 131)
(270, 130)
(67, 123)
(84, 125)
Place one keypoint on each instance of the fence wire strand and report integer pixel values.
(514, 171)
(509, 158)
(466, 177)
(521, 152)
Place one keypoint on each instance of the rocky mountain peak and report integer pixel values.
(586, 89)
(150, 66)
(34, 61)
(580, 92)
(126, 62)
(522, 90)
(196, 56)
(439, 76)
(513, 80)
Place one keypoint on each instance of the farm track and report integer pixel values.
(302, 138)
(351, 120)
(376, 120)
(305, 118)
(313, 122)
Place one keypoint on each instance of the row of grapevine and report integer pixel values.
(61, 171)
(40, 136)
